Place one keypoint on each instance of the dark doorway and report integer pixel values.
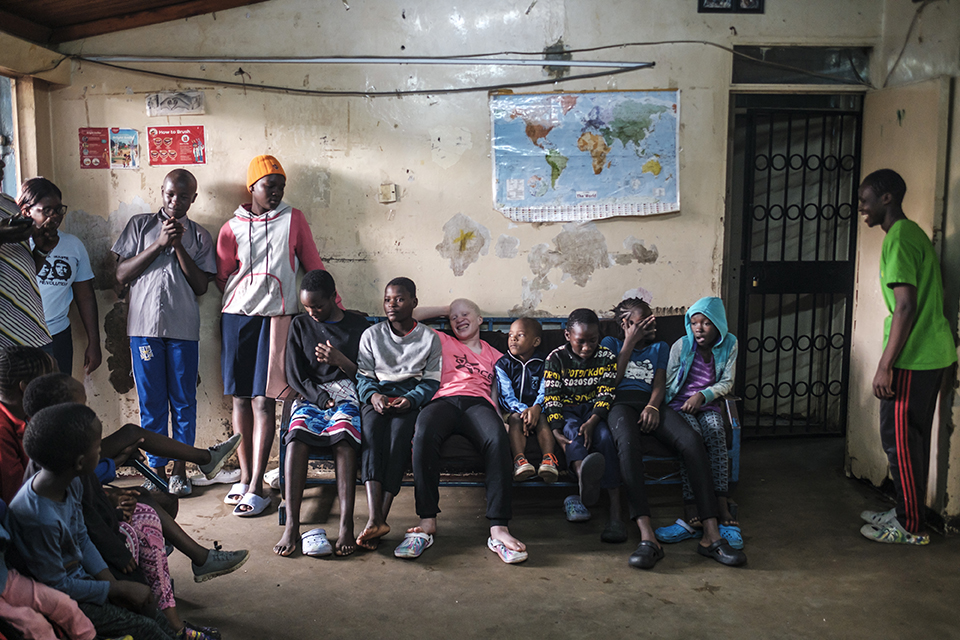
(796, 169)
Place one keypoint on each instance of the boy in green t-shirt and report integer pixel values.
(918, 347)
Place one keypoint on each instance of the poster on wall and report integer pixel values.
(124, 148)
(94, 148)
(562, 157)
(176, 145)
(175, 103)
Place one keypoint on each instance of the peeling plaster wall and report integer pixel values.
(932, 50)
(441, 231)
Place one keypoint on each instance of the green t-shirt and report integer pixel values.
(907, 257)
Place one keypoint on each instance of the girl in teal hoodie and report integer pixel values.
(700, 370)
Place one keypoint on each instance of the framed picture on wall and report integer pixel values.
(749, 6)
(715, 6)
(729, 6)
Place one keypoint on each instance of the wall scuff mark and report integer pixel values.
(530, 299)
(507, 246)
(464, 241)
(448, 143)
(641, 253)
(580, 250)
(118, 346)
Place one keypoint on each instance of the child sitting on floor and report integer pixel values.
(701, 370)
(24, 603)
(321, 354)
(579, 381)
(50, 389)
(520, 386)
(398, 372)
(129, 532)
(46, 524)
(18, 366)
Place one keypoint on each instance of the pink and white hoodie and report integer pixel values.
(258, 258)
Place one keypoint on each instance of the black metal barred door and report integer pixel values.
(801, 172)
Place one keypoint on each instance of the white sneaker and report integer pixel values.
(223, 477)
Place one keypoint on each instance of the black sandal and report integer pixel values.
(646, 555)
(722, 552)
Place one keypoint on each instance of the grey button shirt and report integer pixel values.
(162, 303)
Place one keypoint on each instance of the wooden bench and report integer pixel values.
(462, 463)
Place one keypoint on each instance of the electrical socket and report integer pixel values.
(388, 193)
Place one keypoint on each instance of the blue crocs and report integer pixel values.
(733, 535)
(574, 509)
(677, 532)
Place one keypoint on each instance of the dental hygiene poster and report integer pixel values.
(176, 145)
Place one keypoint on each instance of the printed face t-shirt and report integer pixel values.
(67, 263)
(465, 373)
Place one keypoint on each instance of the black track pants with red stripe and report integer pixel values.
(905, 427)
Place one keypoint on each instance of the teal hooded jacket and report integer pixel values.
(724, 352)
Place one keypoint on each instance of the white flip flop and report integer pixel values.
(238, 489)
(255, 503)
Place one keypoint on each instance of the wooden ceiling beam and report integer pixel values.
(145, 18)
(23, 28)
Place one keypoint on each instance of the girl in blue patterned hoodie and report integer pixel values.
(700, 370)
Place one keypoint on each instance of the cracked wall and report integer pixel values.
(336, 151)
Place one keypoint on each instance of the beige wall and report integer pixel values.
(930, 163)
(338, 150)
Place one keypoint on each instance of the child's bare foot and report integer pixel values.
(287, 544)
(345, 545)
(429, 526)
(369, 538)
(726, 513)
(503, 535)
(691, 516)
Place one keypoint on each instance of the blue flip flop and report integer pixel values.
(733, 535)
(677, 532)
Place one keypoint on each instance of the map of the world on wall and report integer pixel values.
(585, 156)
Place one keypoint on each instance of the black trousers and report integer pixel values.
(61, 348)
(477, 420)
(675, 433)
(905, 426)
(386, 439)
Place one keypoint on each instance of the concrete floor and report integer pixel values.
(809, 575)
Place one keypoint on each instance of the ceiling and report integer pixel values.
(53, 21)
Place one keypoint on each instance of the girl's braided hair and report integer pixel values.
(628, 306)
(22, 364)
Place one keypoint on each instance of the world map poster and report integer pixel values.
(585, 156)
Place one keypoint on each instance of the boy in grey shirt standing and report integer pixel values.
(168, 261)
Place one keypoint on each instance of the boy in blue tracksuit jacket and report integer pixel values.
(520, 384)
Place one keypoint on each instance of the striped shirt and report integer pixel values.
(21, 310)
